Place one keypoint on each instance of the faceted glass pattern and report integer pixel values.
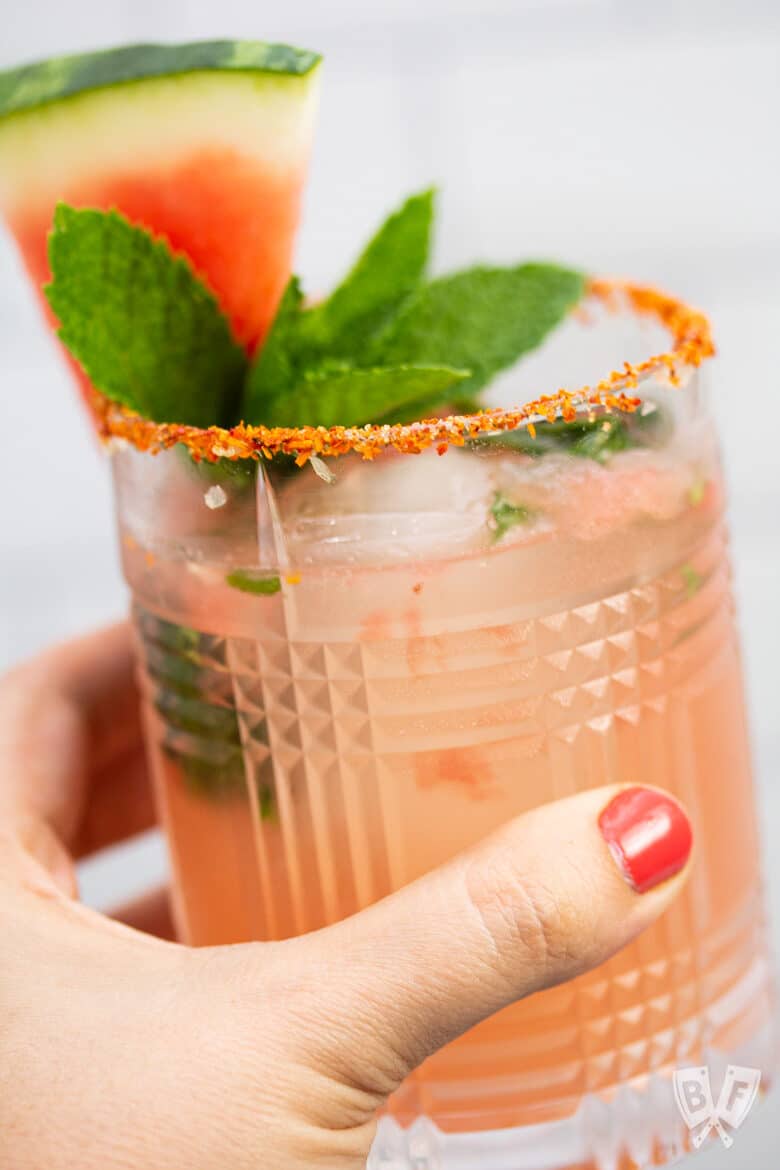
(304, 780)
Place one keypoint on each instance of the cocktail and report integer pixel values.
(367, 641)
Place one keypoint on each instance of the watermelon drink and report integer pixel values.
(366, 641)
(346, 683)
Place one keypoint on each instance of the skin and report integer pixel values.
(120, 1048)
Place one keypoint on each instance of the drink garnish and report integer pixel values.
(253, 581)
(692, 579)
(224, 193)
(142, 325)
(690, 343)
(387, 315)
(150, 335)
(349, 396)
(482, 319)
(391, 266)
(338, 330)
(596, 436)
(202, 739)
(504, 515)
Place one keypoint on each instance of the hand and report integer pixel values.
(119, 1049)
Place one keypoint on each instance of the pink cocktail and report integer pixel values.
(354, 671)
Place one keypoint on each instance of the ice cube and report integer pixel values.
(395, 507)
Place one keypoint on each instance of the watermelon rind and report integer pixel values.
(30, 86)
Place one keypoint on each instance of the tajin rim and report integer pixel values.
(691, 344)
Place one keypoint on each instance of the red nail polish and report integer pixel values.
(648, 835)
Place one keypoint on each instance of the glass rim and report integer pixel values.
(691, 343)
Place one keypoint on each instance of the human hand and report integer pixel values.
(119, 1049)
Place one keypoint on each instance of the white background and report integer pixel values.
(633, 137)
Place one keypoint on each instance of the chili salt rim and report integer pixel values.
(691, 345)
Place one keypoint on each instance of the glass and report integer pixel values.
(353, 671)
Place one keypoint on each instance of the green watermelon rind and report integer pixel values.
(29, 87)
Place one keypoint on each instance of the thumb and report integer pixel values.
(550, 895)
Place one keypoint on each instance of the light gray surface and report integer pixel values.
(632, 137)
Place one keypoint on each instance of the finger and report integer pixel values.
(33, 852)
(150, 913)
(550, 895)
(69, 732)
(119, 804)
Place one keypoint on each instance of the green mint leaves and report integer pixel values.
(388, 344)
(348, 396)
(598, 437)
(306, 347)
(385, 319)
(254, 581)
(482, 319)
(146, 330)
(504, 515)
(275, 370)
(391, 267)
(201, 736)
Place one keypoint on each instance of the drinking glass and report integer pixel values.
(354, 669)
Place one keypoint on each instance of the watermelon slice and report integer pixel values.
(204, 144)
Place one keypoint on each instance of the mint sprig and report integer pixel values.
(143, 326)
(384, 315)
(387, 345)
(305, 341)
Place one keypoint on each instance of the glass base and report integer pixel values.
(639, 1127)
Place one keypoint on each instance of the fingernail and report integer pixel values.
(648, 834)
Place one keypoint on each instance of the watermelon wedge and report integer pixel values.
(205, 145)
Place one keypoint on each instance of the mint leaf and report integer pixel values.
(254, 581)
(201, 737)
(266, 802)
(146, 330)
(221, 776)
(596, 438)
(481, 319)
(274, 370)
(347, 361)
(390, 267)
(505, 515)
(602, 441)
(692, 579)
(341, 396)
(338, 330)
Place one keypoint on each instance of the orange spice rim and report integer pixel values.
(692, 343)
